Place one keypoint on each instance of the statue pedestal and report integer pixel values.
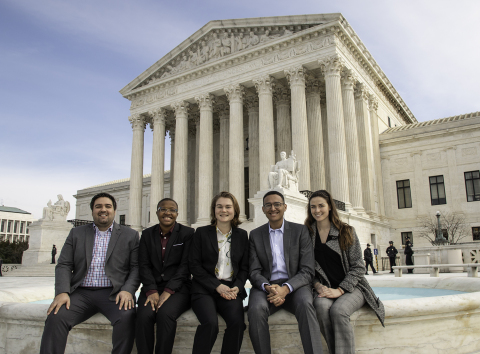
(43, 235)
(296, 206)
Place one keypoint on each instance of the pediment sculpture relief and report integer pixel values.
(216, 46)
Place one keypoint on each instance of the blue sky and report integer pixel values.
(64, 126)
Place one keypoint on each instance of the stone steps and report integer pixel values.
(41, 270)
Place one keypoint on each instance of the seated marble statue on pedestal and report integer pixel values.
(57, 211)
(284, 174)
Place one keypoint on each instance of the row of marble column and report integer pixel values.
(336, 151)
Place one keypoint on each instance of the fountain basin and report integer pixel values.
(443, 324)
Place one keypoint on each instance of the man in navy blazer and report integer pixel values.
(97, 271)
(281, 271)
(164, 273)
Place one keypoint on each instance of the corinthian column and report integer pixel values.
(181, 159)
(136, 172)
(266, 142)
(373, 105)
(353, 160)
(236, 181)
(158, 161)
(331, 68)
(205, 156)
(296, 79)
(365, 149)
(253, 150)
(315, 135)
(284, 123)
(224, 115)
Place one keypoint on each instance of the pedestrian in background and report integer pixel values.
(408, 254)
(392, 254)
(368, 258)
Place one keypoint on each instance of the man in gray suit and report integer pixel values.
(281, 272)
(97, 271)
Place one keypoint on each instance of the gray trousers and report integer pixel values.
(334, 318)
(299, 303)
(84, 303)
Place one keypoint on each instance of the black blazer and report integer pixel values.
(204, 258)
(121, 263)
(173, 273)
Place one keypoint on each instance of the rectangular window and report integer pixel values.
(437, 190)
(15, 227)
(403, 194)
(122, 219)
(3, 226)
(28, 224)
(22, 227)
(476, 233)
(472, 185)
(405, 235)
(9, 227)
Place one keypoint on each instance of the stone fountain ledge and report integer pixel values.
(444, 324)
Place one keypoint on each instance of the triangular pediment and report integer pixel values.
(218, 40)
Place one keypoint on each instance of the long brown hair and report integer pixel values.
(346, 233)
(235, 221)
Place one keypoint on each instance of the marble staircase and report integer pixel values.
(40, 270)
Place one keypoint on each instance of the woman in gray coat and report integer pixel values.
(339, 282)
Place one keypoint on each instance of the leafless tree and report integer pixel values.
(453, 226)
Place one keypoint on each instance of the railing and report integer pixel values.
(340, 205)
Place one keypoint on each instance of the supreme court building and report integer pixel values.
(238, 92)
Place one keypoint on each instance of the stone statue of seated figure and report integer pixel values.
(285, 173)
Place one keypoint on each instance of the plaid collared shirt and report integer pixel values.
(96, 277)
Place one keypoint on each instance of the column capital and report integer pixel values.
(158, 116)
(372, 103)
(235, 93)
(312, 85)
(349, 79)
(332, 65)
(180, 108)
(296, 75)
(252, 102)
(362, 92)
(223, 110)
(205, 101)
(137, 121)
(281, 95)
(264, 84)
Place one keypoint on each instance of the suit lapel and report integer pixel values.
(157, 244)
(268, 249)
(172, 240)
(212, 235)
(113, 240)
(89, 241)
(235, 248)
(286, 243)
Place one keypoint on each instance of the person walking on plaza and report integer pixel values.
(392, 254)
(165, 278)
(368, 257)
(339, 283)
(281, 272)
(54, 253)
(97, 271)
(219, 264)
(408, 254)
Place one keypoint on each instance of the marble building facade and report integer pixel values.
(236, 93)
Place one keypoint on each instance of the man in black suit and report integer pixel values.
(368, 258)
(97, 271)
(164, 273)
(281, 271)
(392, 254)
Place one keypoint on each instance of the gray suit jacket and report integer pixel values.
(298, 252)
(121, 264)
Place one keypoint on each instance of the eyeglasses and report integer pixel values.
(269, 206)
(164, 210)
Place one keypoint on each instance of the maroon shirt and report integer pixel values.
(164, 240)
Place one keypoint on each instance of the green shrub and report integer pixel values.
(12, 252)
